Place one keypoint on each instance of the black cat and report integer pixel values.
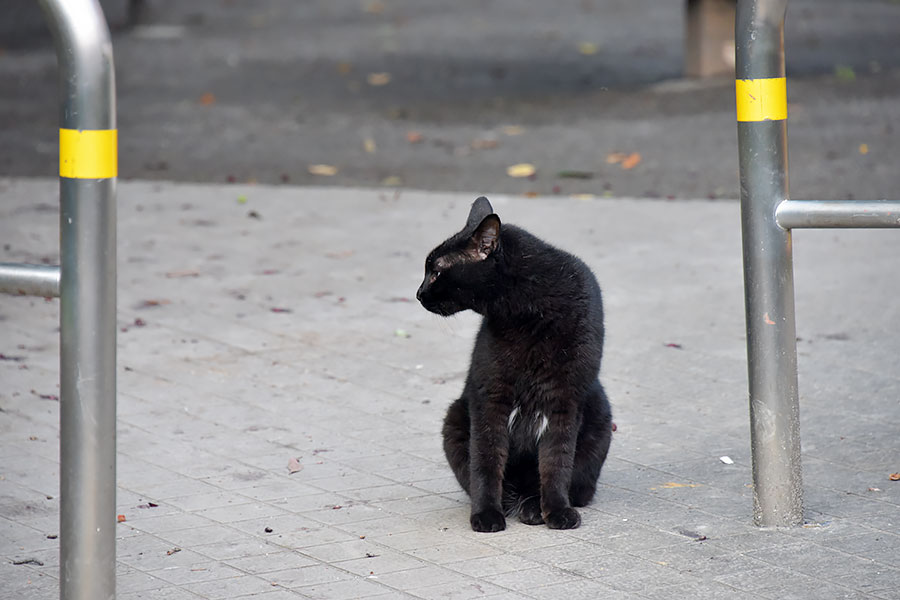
(533, 426)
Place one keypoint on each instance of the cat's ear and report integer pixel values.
(486, 237)
(480, 209)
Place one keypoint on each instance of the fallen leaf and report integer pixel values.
(340, 254)
(369, 145)
(392, 181)
(521, 170)
(401, 333)
(587, 48)
(874, 489)
(631, 161)
(484, 144)
(344, 68)
(671, 485)
(120, 518)
(172, 551)
(140, 323)
(151, 304)
(180, 274)
(378, 79)
(12, 358)
(324, 170)
(374, 7)
(294, 465)
(280, 310)
(583, 197)
(414, 137)
(768, 320)
(894, 476)
(863, 149)
(615, 157)
(512, 130)
(575, 174)
(844, 73)
(207, 99)
(242, 199)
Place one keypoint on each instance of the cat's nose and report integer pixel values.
(419, 293)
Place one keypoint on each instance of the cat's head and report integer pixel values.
(460, 273)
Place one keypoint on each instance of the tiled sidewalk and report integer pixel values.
(263, 324)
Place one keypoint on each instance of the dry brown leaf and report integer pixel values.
(414, 137)
(587, 48)
(374, 7)
(631, 161)
(521, 170)
(378, 79)
(294, 465)
(512, 130)
(207, 99)
(484, 144)
(324, 170)
(894, 476)
(344, 68)
(369, 145)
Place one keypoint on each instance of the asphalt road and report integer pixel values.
(448, 95)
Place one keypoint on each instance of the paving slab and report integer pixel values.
(259, 324)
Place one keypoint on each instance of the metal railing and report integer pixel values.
(85, 282)
(767, 217)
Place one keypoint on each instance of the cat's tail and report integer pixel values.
(513, 502)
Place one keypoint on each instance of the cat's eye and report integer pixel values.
(433, 277)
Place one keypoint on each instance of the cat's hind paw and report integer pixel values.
(488, 521)
(564, 518)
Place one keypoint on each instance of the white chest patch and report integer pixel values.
(539, 425)
(512, 418)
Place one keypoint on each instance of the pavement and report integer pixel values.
(260, 91)
(260, 324)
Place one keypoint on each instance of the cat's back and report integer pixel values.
(555, 279)
(551, 312)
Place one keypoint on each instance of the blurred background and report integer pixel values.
(563, 97)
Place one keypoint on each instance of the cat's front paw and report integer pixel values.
(564, 518)
(488, 521)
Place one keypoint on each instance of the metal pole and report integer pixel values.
(795, 214)
(768, 268)
(29, 280)
(88, 169)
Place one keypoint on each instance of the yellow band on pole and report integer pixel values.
(88, 153)
(761, 99)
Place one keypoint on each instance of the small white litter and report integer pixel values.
(727, 460)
